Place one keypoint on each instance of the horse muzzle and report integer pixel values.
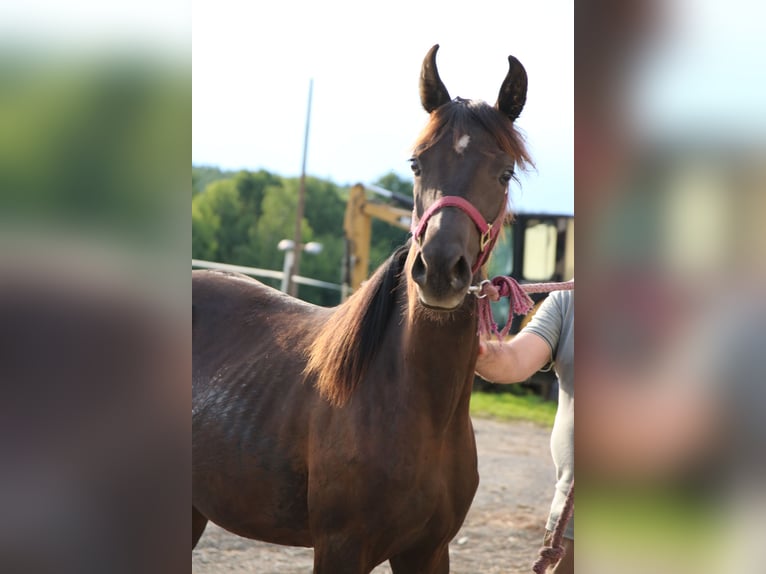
(442, 275)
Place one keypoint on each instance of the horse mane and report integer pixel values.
(459, 114)
(342, 352)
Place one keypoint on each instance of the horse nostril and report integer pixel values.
(419, 270)
(461, 274)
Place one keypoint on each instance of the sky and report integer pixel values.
(252, 63)
(703, 73)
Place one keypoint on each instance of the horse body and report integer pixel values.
(348, 429)
(394, 468)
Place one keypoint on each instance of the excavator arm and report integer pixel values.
(357, 226)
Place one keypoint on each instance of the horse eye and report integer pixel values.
(415, 165)
(507, 175)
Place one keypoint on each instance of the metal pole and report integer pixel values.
(286, 268)
(292, 286)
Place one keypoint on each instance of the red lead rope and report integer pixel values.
(520, 302)
(550, 555)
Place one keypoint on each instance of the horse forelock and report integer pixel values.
(459, 116)
(342, 352)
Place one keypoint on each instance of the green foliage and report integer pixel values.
(277, 222)
(393, 182)
(252, 187)
(93, 147)
(224, 201)
(205, 226)
(324, 206)
(203, 176)
(677, 523)
(240, 218)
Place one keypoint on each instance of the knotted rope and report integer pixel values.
(520, 302)
(550, 555)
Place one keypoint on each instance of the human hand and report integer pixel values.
(489, 362)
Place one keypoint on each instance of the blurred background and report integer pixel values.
(669, 177)
(95, 138)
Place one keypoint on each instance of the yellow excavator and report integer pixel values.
(357, 226)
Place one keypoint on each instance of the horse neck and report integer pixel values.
(440, 356)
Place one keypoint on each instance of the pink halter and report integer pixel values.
(488, 231)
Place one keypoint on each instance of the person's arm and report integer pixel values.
(512, 361)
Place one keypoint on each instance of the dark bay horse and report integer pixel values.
(347, 429)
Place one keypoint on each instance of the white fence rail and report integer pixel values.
(270, 273)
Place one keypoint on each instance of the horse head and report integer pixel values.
(463, 162)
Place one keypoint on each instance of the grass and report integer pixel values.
(510, 407)
(672, 526)
(653, 513)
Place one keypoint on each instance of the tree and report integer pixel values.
(241, 217)
(220, 201)
(277, 222)
(251, 187)
(325, 208)
(205, 225)
(393, 182)
(202, 176)
(385, 237)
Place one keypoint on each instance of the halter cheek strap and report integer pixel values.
(488, 231)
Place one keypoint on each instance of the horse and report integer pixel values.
(347, 429)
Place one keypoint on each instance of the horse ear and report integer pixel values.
(432, 91)
(513, 92)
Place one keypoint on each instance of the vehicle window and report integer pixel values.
(539, 250)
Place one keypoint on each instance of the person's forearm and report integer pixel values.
(499, 364)
(514, 361)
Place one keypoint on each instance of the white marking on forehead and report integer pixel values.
(462, 143)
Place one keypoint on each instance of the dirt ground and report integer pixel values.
(502, 532)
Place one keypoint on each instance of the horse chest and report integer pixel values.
(411, 485)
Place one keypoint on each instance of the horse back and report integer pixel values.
(234, 316)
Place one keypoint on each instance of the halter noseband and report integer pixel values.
(488, 231)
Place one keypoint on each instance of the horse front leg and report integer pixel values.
(422, 560)
(199, 521)
(340, 555)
